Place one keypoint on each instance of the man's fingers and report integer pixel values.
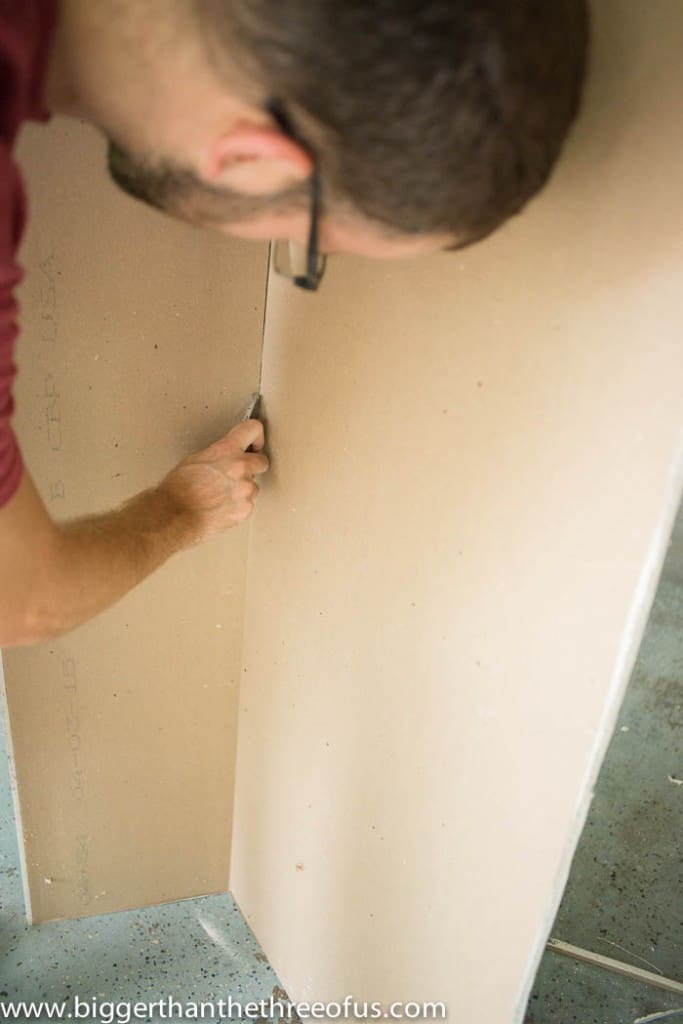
(218, 483)
(245, 490)
(249, 434)
(231, 456)
(248, 465)
(256, 463)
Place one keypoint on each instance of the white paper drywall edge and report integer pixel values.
(631, 638)
(11, 768)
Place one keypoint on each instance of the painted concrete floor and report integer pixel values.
(196, 950)
(624, 898)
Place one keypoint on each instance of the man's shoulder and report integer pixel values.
(26, 28)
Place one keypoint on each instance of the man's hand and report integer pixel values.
(216, 487)
(54, 576)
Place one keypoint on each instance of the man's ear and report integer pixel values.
(256, 160)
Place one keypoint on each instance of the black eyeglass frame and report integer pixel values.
(315, 260)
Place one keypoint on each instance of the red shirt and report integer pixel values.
(26, 28)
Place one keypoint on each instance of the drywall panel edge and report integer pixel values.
(634, 629)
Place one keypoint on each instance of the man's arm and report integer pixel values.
(55, 576)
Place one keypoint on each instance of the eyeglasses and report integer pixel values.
(304, 270)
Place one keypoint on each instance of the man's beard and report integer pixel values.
(178, 191)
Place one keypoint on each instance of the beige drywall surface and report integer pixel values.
(476, 460)
(140, 342)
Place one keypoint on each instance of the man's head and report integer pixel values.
(431, 122)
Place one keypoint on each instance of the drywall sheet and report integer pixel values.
(476, 462)
(141, 340)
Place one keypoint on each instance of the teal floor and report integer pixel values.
(196, 950)
(624, 898)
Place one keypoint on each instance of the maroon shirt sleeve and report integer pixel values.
(26, 31)
(11, 222)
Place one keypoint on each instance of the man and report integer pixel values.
(380, 127)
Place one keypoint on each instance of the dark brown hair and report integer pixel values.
(429, 116)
